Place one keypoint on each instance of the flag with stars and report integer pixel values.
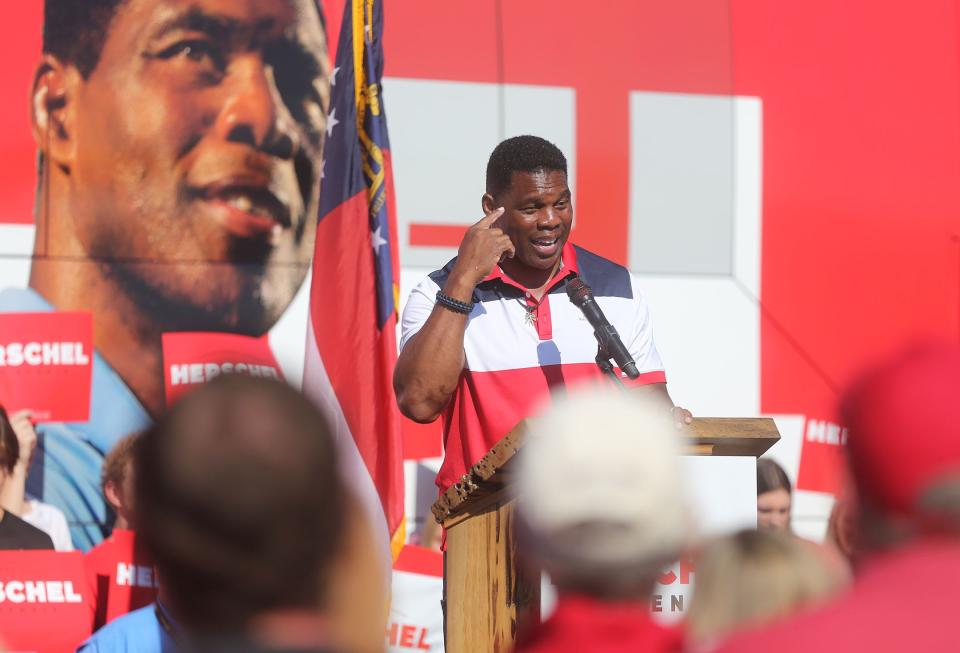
(351, 339)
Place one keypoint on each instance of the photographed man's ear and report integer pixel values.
(52, 110)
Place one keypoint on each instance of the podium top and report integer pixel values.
(706, 436)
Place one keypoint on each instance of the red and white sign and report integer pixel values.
(46, 364)
(43, 601)
(821, 457)
(121, 577)
(416, 618)
(190, 359)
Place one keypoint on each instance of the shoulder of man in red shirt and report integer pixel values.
(582, 624)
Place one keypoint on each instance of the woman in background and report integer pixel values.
(13, 498)
(774, 496)
(15, 533)
(753, 577)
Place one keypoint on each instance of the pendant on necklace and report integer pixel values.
(529, 318)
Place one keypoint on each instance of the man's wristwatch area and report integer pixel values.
(454, 305)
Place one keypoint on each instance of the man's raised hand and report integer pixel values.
(483, 246)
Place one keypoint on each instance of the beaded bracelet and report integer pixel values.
(454, 305)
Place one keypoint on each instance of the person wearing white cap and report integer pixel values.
(601, 509)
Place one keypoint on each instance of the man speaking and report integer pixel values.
(486, 338)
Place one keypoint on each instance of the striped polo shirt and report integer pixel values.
(518, 349)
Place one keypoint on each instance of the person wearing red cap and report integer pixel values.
(904, 455)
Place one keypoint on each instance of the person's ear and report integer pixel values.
(111, 492)
(488, 203)
(52, 109)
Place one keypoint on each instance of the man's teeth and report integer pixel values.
(245, 204)
(545, 243)
(241, 202)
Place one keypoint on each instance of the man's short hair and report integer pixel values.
(241, 502)
(75, 30)
(9, 445)
(117, 460)
(521, 154)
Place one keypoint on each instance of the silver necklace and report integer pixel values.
(529, 312)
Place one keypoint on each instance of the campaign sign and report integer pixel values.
(192, 358)
(46, 364)
(43, 601)
(822, 457)
(416, 618)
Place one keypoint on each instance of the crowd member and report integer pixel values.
(151, 629)
(842, 528)
(120, 569)
(241, 501)
(495, 319)
(903, 419)
(774, 496)
(13, 498)
(15, 533)
(180, 152)
(601, 510)
(754, 577)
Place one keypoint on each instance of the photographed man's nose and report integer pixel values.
(255, 114)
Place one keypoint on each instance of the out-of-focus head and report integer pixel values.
(241, 503)
(182, 146)
(774, 496)
(904, 439)
(9, 446)
(753, 577)
(117, 479)
(600, 494)
(842, 528)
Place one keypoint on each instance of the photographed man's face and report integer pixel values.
(198, 151)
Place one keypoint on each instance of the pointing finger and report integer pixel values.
(487, 220)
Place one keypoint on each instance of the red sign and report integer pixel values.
(190, 359)
(821, 457)
(43, 601)
(121, 576)
(46, 364)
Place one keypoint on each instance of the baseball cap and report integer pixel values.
(604, 459)
(904, 427)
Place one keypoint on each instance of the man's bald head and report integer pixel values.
(241, 502)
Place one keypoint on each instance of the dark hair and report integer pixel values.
(75, 30)
(241, 502)
(771, 476)
(9, 445)
(521, 154)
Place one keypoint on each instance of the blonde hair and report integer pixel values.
(754, 577)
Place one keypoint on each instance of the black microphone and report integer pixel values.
(582, 297)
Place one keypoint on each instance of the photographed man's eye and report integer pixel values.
(195, 50)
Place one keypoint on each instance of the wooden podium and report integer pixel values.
(488, 598)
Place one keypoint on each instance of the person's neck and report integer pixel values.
(128, 341)
(291, 629)
(535, 280)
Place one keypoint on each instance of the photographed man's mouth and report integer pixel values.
(247, 208)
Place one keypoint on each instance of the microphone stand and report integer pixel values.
(603, 362)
